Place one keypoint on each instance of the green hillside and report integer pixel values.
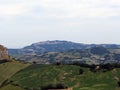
(36, 76)
(8, 69)
(11, 87)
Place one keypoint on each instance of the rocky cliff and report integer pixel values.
(3, 53)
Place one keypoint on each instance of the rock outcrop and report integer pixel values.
(3, 53)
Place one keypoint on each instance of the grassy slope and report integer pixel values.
(41, 75)
(11, 87)
(7, 70)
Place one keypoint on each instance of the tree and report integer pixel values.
(34, 62)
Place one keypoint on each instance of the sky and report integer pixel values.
(23, 22)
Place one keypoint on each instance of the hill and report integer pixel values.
(11, 87)
(55, 46)
(16, 75)
(94, 55)
(47, 46)
(8, 69)
(36, 77)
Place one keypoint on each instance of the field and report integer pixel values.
(11, 87)
(7, 70)
(36, 76)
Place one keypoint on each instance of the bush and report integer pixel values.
(118, 83)
(81, 71)
(58, 86)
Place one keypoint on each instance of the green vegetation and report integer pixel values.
(94, 55)
(8, 69)
(36, 76)
(11, 87)
(99, 50)
(20, 76)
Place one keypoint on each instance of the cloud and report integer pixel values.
(11, 10)
(80, 8)
(61, 8)
(77, 20)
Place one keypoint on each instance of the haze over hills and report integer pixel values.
(49, 52)
(46, 46)
(55, 46)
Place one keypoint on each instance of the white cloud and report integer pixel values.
(79, 8)
(61, 8)
(11, 10)
(92, 9)
(88, 21)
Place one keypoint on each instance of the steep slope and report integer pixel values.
(11, 87)
(3, 53)
(8, 69)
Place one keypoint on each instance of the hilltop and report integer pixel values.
(46, 46)
(49, 52)
(55, 46)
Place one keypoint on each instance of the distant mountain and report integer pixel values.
(55, 46)
(94, 55)
(46, 46)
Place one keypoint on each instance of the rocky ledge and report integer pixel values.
(3, 53)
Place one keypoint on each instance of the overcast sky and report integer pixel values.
(23, 22)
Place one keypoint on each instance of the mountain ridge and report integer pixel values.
(49, 52)
(54, 46)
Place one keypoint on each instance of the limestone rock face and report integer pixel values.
(3, 53)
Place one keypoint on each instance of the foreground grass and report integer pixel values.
(8, 69)
(11, 87)
(36, 76)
